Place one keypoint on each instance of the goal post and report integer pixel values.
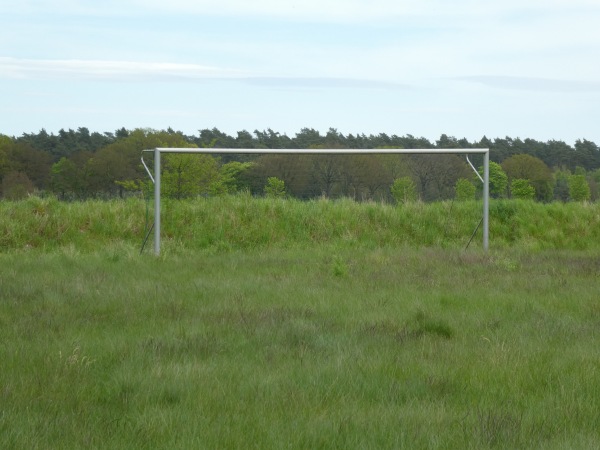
(156, 179)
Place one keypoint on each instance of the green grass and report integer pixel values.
(241, 222)
(285, 324)
(325, 347)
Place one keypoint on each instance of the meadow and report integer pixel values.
(243, 222)
(287, 324)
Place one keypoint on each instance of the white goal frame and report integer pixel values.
(437, 151)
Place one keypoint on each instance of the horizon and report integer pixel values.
(293, 135)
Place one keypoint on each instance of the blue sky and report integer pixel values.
(466, 68)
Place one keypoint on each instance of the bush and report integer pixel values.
(16, 185)
(521, 188)
(464, 190)
(579, 189)
(404, 190)
(275, 188)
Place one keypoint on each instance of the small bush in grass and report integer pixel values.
(521, 188)
(404, 190)
(464, 190)
(425, 325)
(579, 189)
(275, 188)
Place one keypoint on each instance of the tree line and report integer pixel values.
(79, 164)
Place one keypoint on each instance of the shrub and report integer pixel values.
(275, 188)
(16, 185)
(498, 180)
(579, 189)
(464, 190)
(521, 188)
(404, 190)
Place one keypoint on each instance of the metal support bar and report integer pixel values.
(486, 196)
(146, 167)
(474, 169)
(156, 201)
(486, 201)
(323, 151)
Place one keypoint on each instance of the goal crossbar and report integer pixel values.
(156, 179)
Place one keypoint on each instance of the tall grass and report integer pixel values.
(327, 346)
(244, 223)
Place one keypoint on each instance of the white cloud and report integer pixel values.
(108, 70)
(144, 71)
(322, 83)
(535, 84)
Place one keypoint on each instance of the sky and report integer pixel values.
(465, 68)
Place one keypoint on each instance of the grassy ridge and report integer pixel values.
(245, 223)
(324, 347)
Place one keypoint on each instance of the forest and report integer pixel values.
(79, 164)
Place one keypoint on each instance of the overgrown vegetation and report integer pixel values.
(323, 347)
(242, 222)
(280, 323)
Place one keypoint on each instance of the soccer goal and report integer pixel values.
(462, 151)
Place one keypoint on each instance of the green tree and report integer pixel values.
(521, 188)
(231, 178)
(325, 174)
(446, 141)
(275, 188)
(119, 162)
(404, 190)
(523, 166)
(187, 175)
(561, 184)
(272, 139)
(21, 157)
(105, 169)
(587, 154)
(244, 140)
(498, 180)
(436, 175)
(594, 182)
(579, 189)
(396, 165)
(16, 185)
(292, 169)
(308, 138)
(334, 139)
(363, 177)
(464, 190)
(64, 177)
(5, 142)
(214, 138)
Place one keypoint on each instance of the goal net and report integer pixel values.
(327, 176)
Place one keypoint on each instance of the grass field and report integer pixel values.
(326, 343)
(241, 222)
